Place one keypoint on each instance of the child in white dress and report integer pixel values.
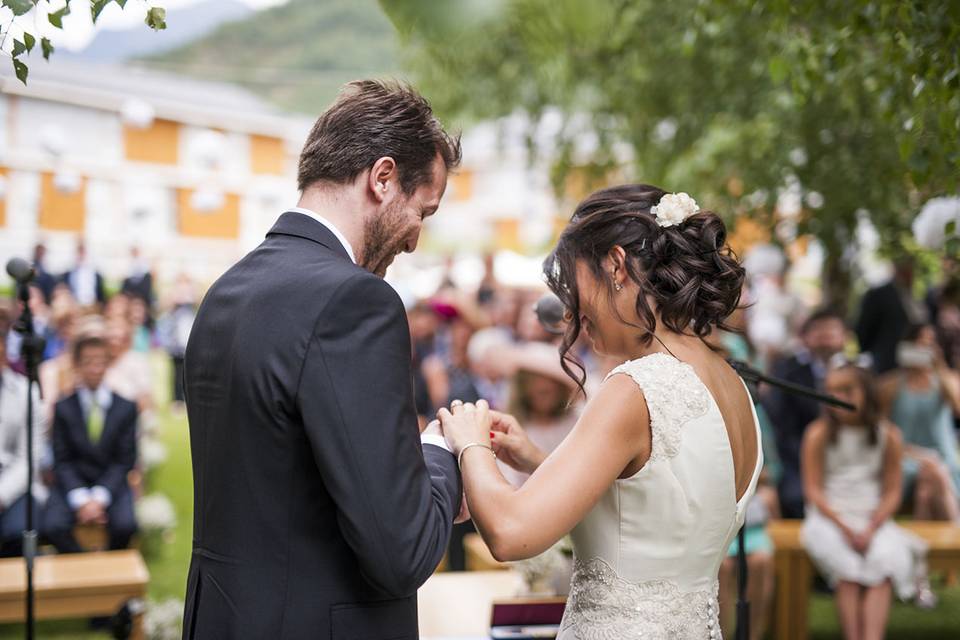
(851, 474)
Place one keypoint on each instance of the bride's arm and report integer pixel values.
(520, 523)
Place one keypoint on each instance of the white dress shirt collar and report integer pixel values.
(329, 225)
(102, 395)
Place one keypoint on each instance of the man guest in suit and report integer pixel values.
(84, 281)
(318, 509)
(886, 312)
(139, 284)
(94, 448)
(822, 337)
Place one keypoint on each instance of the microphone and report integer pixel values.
(550, 311)
(20, 270)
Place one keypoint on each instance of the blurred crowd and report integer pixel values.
(848, 473)
(94, 414)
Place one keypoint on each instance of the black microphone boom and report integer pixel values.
(20, 270)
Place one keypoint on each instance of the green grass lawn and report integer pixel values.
(168, 568)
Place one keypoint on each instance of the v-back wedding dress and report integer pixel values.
(648, 554)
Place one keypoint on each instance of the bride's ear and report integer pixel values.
(616, 266)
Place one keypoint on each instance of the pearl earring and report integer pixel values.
(616, 285)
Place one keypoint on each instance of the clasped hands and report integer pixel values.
(465, 424)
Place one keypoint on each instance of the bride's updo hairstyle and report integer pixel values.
(687, 269)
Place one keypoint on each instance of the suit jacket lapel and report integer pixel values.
(79, 423)
(110, 421)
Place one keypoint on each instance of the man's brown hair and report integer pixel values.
(372, 119)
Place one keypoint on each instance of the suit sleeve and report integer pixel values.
(64, 455)
(396, 500)
(124, 455)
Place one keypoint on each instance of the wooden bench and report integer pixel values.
(795, 571)
(77, 585)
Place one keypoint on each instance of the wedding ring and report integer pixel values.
(456, 403)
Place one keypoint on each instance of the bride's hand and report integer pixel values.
(465, 424)
(512, 446)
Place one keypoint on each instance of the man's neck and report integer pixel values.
(339, 208)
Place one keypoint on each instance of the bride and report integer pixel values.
(653, 480)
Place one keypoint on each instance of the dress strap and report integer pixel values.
(674, 396)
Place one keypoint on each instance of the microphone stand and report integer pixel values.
(31, 349)
(749, 374)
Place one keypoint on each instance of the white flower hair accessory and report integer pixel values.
(674, 208)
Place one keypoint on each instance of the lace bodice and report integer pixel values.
(649, 552)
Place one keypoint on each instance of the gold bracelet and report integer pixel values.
(472, 444)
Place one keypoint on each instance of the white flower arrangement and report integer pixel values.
(539, 571)
(674, 208)
(930, 225)
(153, 453)
(155, 513)
(163, 619)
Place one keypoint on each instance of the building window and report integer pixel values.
(158, 143)
(208, 214)
(62, 201)
(268, 155)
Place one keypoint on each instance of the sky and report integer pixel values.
(78, 28)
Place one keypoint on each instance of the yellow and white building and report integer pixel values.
(192, 172)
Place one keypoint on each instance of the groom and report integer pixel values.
(317, 510)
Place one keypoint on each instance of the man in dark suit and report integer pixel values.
(139, 284)
(318, 508)
(886, 312)
(94, 448)
(84, 281)
(822, 335)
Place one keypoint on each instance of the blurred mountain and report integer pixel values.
(183, 26)
(297, 54)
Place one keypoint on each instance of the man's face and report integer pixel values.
(396, 227)
(825, 338)
(92, 365)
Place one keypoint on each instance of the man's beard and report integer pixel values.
(383, 240)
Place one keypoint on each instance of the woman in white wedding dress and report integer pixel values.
(653, 480)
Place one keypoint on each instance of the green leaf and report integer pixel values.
(56, 18)
(951, 227)
(779, 69)
(21, 70)
(122, 3)
(47, 47)
(19, 7)
(156, 18)
(29, 40)
(96, 6)
(18, 48)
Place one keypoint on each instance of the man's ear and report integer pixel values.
(383, 178)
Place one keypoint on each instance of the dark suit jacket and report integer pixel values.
(882, 323)
(81, 463)
(790, 414)
(317, 512)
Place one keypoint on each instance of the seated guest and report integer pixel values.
(13, 450)
(851, 474)
(94, 448)
(922, 397)
(822, 336)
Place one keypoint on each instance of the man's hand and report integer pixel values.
(92, 512)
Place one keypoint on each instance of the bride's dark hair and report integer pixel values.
(692, 275)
